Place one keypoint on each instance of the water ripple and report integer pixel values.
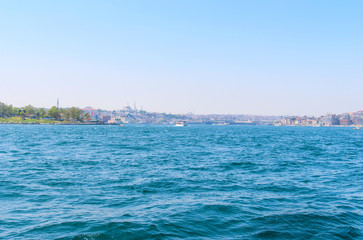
(197, 182)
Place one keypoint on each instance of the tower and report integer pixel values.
(57, 102)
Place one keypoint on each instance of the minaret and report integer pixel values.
(58, 103)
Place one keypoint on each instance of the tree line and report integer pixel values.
(61, 114)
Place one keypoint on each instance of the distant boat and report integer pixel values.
(180, 124)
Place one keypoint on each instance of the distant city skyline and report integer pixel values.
(206, 57)
(134, 108)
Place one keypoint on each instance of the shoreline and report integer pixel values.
(113, 124)
(32, 123)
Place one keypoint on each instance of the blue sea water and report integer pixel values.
(166, 182)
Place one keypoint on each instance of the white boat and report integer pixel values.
(180, 124)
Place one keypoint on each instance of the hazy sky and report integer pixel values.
(238, 57)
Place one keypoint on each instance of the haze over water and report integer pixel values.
(196, 182)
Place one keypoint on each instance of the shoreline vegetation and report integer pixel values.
(18, 120)
(32, 115)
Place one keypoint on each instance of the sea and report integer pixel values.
(164, 182)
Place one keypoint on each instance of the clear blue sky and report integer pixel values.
(246, 57)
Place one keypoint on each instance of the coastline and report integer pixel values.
(30, 121)
(113, 124)
(2, 123)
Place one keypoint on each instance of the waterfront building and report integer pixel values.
(330, 120)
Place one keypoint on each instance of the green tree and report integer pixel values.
(41, 112)
(16, 111)
(2, 109)
(75, 114)
(9, 111)
(65, 114)
(6, 110)
(54, 113)
(30, 110)
(86, 116)
(22, 113)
